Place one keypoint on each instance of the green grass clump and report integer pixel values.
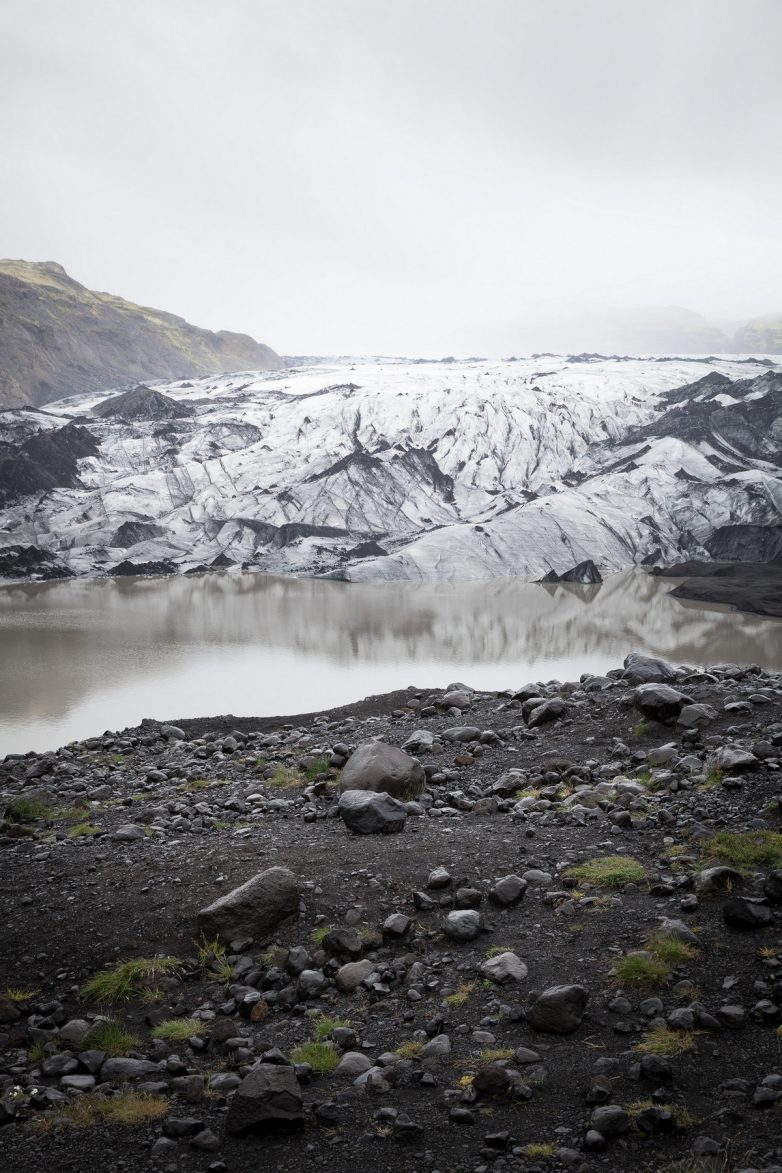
(322, 1057)
(319, 934)
(745, 850)
(461, 995)
(284, 778)
(409, 1050)
(323, 1027)
(681, 1115)
(493, 1055)
(213, 959)
(124, 1109)
(636, 969)
(608, 871)
(80, 829)
(21, 994)
(178, 1029)
(127, 978)
(321, 765)
(539, 1149)
(641, 728)
(664, 1041)
(496, 950)
(111, 1037)
(670, 949)
(27, 810)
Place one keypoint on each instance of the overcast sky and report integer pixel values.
(397, 176)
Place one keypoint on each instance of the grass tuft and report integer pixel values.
(285, 778)
(671, 949)
(323, 1027)
(126, 979)
(409, 1050)
(681, 1115)
(178, 1029)
(322, 1057)
(636, 969)
(608, 871)
(539, 1149)
(111, 1037)
(80, 829)
(745, 850)
(461, 995)
(27, 810)
(20, 994)
(319, 934)
(321, 765)
(125, 1109)
(493, 1055)
(661, 1040)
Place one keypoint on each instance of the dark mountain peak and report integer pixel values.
(57, 338)
(142, 403)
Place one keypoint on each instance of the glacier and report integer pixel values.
(391, 470)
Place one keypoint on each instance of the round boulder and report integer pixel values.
(384, 769)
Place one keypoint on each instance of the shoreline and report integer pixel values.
(134, 831)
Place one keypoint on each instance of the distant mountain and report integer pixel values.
(57, 338)
(760, 336)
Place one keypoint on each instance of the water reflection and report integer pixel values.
(78, 657)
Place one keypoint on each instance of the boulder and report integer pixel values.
(549, 711)
(660, 702)
(504, 967)
(267, 1099)
(255, 909)
(383, 769)
(558, 1010)
(746, 914)
(647, 670)
(368, 813)
(732, 757)
(464, 925)
(350, 976)
(696, 716)
(508, 891)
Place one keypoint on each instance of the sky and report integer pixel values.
(398, 176)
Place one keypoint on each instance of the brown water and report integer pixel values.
(80, 657)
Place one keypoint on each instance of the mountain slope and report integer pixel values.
(760, 336)
(385, 470)
(57, 337)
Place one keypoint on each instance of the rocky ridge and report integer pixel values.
(57, 337)
(563, 952)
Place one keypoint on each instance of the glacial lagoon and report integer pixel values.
(78, 657)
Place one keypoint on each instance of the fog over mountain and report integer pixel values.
(363, 177)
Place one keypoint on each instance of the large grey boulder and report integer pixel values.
(733, 757)
(504, 967)
(640, 669)
(253, 910)
(463, 925)
(660, 702)
(558, 1010)
(367, 813)
(384, 769)
(119, 1069)
(268, 1098)
(549, 711)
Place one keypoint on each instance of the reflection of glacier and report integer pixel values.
(83, 656)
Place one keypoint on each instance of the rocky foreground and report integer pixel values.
(435, 931)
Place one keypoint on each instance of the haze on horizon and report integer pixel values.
(399, 176)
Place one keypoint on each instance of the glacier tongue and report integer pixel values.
(393, 470)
